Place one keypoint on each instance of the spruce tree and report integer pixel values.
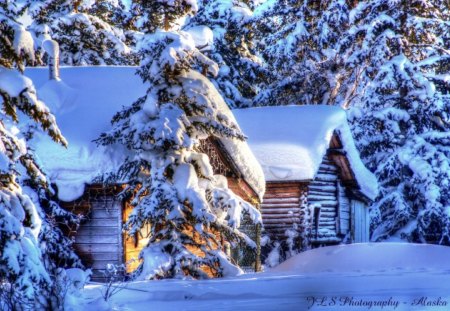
(404, 105)
(298, 39)
(83, 38)
(27, 236)
(241, 70)
(190, 210)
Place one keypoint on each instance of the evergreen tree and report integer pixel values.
(241, 70)
(84, 39)
(27, 236)
(189, 208)
(404, 105)
(302, 52)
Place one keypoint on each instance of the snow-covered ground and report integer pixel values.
(382, 276)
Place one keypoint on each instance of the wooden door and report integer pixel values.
(360, 222)
(98, 240)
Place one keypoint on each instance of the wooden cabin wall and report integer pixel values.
(98, 240)
(281, 207)
(323, 193)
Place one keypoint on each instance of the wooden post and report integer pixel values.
(316, 220)
(258, 248)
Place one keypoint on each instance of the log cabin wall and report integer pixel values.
(285, 204)
(281, 207)
(323, 193)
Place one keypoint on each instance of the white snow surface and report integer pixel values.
(203, 37)
(84, 102)
(369, 258)
(399, 275)
(291, 141)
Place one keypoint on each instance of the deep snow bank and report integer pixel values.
(369, 258)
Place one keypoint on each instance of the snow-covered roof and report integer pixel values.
(291, 141)
(84, 102)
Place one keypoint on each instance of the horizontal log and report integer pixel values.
(97, 248)
(280, 232)
(330, 167)
(322, 188)
(284, 200)
(278, 226)
(103, 213)
(291, 184)
(327, 208)
(280, 216)
(91, 239)
(323, 197)
(327, 221)
(111, 222)
(327, 216)
(321, 192)
(281, 220)
(280, 210)
(326, 177)
(323, 203)
(281, 196)
(280, 205)
(96, 231)
(100, 256)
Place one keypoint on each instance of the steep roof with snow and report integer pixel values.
(84, 102)
(291, 141)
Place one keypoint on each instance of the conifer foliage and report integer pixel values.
(29, 240)
(175, 190)
(388, 61)
(403, 47)
(241, 70)
(298, 40)
(87, 34)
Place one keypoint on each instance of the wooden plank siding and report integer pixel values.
(98, 240)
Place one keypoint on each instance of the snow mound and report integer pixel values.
(291, 141)
(368, 258)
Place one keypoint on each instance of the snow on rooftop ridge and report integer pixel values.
(291, 141)
(239, 151)
(84, 102)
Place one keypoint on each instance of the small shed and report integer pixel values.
(84, 101)
(316, 183)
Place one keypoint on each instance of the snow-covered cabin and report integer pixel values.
(315, 180)
(84, 102)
